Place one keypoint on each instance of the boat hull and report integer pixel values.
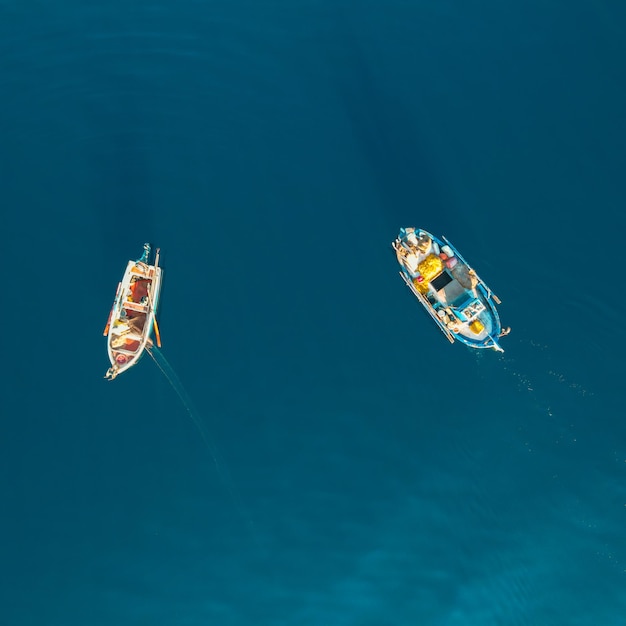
(458, 301)
(132, 318)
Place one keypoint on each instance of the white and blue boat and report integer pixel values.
(455, 297)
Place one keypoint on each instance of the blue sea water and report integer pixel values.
(368, 472)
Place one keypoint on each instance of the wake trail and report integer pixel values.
(168, 371)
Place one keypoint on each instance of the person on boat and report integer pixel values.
(411, 238)
(473, 278)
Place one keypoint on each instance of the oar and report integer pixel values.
(106, 328)
(154, 274)
(157, 333)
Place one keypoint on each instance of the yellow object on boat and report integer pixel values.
(430, 267)
(421, 286)
(477, 327)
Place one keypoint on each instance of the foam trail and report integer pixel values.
(168, 371)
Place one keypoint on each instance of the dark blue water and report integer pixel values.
(369, 473)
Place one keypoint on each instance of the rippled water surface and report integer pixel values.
(368, 472)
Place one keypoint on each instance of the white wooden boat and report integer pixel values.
(455, 297)
(133, 315)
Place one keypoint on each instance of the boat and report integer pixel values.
(455, 297)
(133, 316)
